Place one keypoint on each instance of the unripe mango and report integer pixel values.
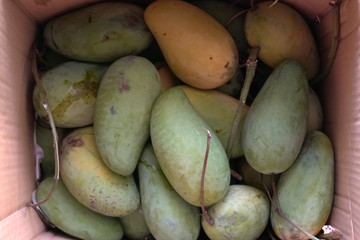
(101, 32)
(197, 48)
(90, 181)
(179, 138)
(276, 123)
(134, 225)
(281, 33)
(122, 112)
(305, 191)
(73, 218)
(167, 215)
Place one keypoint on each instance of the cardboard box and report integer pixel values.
(19, 22)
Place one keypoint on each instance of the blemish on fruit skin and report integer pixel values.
(123, 86)
(75, 142)
(112, 110)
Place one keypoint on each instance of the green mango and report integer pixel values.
(276, 123)
(90, 181)
(71, 90)
(242, 214)
(305, 191)
(73, 218)
(45, 140)
(167, 215)
(122, 111)
(180, 141)
(134, 225)
(315, 118)
(101, 32)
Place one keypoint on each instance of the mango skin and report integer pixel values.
(73, 218)
(101, 32)
(191, 39)
(306, 189)
(242, 214)
(218, 110)
(134, 225)
(167, 215)
(276, 123)
(71, 90)
(179, 140)
(282, 33)
(315, 117)
(122, 111)
(90, 181)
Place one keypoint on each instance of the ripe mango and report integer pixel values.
(73, 218)
(90, 181)
(71, 90)
(276, 123)
(197, 48)
(305, 191)
(122, 111)
(101, 32)
(167, 215)
(180, 141)
(281, 33)
(242, 214)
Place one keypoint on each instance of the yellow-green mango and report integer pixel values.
(218, 110)
(134, 225)
(305, 191)
(242, 214)
(315, 118)
(73, 218)
(281, 33)
(71, 90)
(122, 111)
(90, 181)
(276, 123)
(101, 32)
(167, 215)
(179, 139)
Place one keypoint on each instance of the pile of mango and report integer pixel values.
(144, 95)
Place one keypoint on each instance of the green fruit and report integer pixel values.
(242, 214)
(122, 112)
(71, 217)
(315, 118)
(45, 140)
(276, 123)
(134, 225)
(71, 90)
(305, 191)
(180, 141)
(90, 181)
(281, 33)
(101, 32)
(218, 110)
(167, 215)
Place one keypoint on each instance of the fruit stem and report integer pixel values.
(206, 215)
(53, 130)
(335, 4)
(251, 64)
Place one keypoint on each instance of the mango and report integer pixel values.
(122, 112)
(305, 191)
(315, 118)
(90, 181)
(134, 225)
(168, 78)
(281, 33)
(197, 48)
(101, 32)
(179, 140)
(242, 214)
(167, 215)
(73, 218)
(218, 110)
(71, 90)
(276, 123)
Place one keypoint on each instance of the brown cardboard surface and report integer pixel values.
(340, 95)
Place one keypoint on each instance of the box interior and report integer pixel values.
(19, 24)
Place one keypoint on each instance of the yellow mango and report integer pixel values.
(197, 48)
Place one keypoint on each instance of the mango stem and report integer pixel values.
(205, 213)
(251, 64)
(53, 129)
